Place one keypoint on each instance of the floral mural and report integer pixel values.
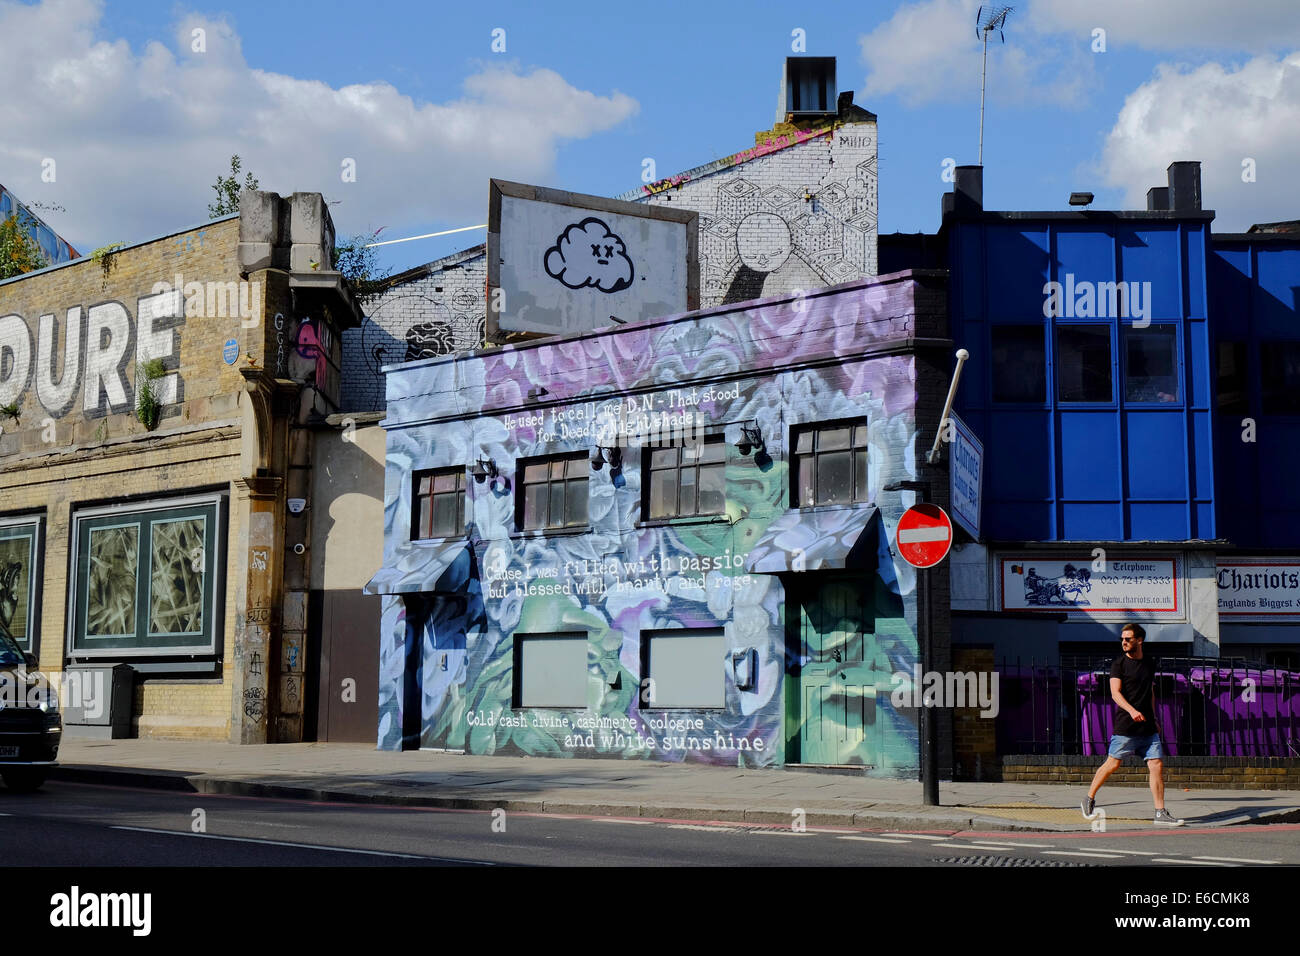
(454, 607)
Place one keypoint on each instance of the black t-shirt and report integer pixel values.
(1137, 679)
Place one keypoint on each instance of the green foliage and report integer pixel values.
(10, 410)
(360, 265)
(147, 406)
(104, 255)
(19, 251)
(228, 189)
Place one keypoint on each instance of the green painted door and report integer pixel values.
(832, 692)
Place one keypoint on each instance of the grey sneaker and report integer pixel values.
(1166, 819)
(1089, 807)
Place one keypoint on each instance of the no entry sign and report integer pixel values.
(924, 535)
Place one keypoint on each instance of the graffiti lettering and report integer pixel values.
(657, 187)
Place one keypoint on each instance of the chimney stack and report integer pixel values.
(1185, 187)
(968, 189)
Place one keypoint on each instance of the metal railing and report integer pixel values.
(1205, 707)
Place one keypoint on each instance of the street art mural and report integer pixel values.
(797, 212)
(457, 611)
(588, 255)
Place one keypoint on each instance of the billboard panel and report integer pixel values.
(563, 262)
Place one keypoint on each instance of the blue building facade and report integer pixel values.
(1135, 382)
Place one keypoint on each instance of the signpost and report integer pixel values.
(965, 474)
(923, 539)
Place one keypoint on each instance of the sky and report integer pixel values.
(118, 116)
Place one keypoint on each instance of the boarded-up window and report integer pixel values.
(686, 668)
(551, 670)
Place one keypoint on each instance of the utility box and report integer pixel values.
(96, 701)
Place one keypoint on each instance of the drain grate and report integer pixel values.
(1002, 861)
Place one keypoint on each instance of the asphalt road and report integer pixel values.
(67, 824)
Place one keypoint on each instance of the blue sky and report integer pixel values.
(140, 124)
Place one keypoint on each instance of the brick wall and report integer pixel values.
(1205, 773)
(975, 739)
(54, 460)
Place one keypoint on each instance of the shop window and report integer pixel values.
(1151, 364)
(439, 504)
(550, 670)
(1231, 378)
(830, 464)
(147, 578)
(20, 549)
(1019, 364)
(553, 493)
(1083, 363)
(686, 668)
(686, 480)
(1280, 377)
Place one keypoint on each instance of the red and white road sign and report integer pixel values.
(924, 535)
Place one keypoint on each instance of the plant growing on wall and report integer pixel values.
(228, 189)
(359, 264)
(10, 410)
(104, 256)
(19, 251)
(147, 406)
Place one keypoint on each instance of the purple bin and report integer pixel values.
(1266, 726)
(1098, 711)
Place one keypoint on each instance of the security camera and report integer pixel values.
(299, 548)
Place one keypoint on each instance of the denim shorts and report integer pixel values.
(1147, 748)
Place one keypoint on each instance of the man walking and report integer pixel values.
(1132, 687)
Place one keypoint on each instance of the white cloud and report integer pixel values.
(1256, 26)
(1220, 117)
(930, 51)
(139, 137)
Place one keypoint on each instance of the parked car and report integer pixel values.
(31, 727)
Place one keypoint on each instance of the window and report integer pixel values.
(1151, 364)
(19, 580)
(439, 504)
(1232, 376)
(146, 579)
(687, 668)
(554, 492)
(1280, 377)
(687, 480)
(550, 670)
(1019, 364)
(830, 465)
(1083, 363)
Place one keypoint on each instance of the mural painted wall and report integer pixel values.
(798, 211)
(455, 608)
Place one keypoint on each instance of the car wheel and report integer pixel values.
(23, 780)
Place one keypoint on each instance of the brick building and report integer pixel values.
(669, 539)
(153, 405)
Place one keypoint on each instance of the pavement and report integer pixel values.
(358, 773)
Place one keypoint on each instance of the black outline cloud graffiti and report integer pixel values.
(580, 256)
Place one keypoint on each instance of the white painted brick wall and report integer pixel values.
(759, 237)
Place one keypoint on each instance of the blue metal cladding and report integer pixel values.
(1255, 305)
(1070, 456)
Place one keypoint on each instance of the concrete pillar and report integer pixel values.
(1201, 568)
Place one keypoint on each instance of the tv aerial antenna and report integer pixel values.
(986, 23)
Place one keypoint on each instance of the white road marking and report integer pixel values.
(876, 840)
(916, 836)
(780, 832)
(1234, 859)
(1165, 859)
(991, 843)
(1111, 849)
(828, 830)
(702, 828)
(1108, 856)
(300, 846)
(639, 823)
